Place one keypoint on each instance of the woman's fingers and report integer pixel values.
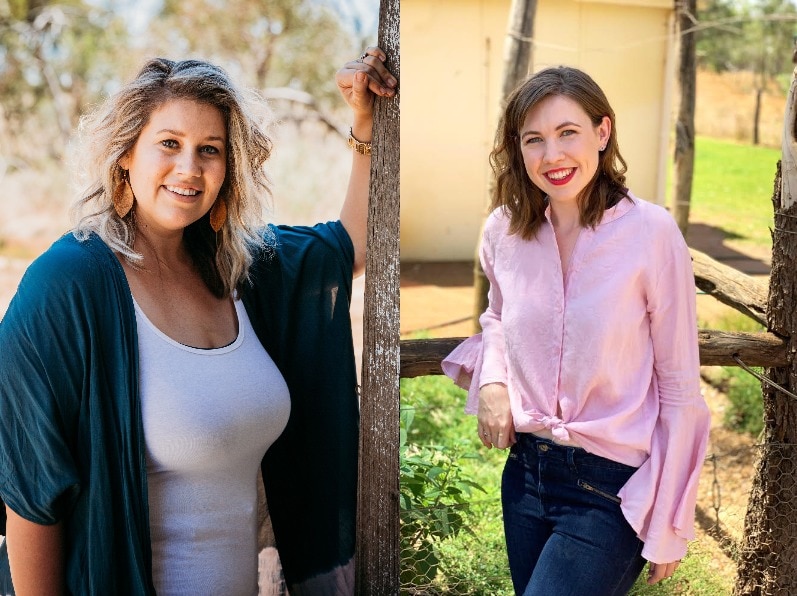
(484, 437)
(381, 81)
(501, 438)
(660, 571)
(359, 80)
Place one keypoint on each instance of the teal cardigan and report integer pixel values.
(71, 436)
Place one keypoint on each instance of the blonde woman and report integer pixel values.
(160, 357)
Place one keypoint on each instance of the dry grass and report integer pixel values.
(726, 104)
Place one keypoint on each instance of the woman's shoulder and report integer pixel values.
(497, 222)
(656, 219)
(70, 261)
(657, 226)
(321, 240)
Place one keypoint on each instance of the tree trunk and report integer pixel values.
(768, 555)
(517, 57)
(685, 126)
(377, 563)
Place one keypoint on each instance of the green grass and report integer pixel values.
(692, 578)
(732, 188)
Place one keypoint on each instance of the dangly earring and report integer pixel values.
(218, 214)
(123, 196)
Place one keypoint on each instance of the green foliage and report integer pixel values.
(717, 47)
(475, 563)
(59, 57)
(755, 36)
(746, 411)
(271, 43)
(440, 418)
(54, 60)
(732, 188)
(434, 499)
(733, 320)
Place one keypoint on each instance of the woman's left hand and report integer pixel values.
(660, 571)
(360, 80)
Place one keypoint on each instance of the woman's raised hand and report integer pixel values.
(496, 427)
(359, 80)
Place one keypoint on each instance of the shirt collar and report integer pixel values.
(621, 208)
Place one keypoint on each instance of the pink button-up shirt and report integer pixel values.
(605, 357)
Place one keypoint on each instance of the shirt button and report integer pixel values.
(543, 447)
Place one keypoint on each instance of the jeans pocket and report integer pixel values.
(597, 491)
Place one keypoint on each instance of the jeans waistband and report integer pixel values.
(534, 445)
(544, 445)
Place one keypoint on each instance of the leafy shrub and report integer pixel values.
(434, 499)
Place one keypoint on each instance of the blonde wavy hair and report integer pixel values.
(514, 191)
(106, 135)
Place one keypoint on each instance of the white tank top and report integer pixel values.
(209, 416)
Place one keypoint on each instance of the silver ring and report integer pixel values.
(363, 57)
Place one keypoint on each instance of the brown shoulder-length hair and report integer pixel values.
(524, 202)
(222, 259)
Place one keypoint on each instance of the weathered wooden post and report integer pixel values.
(684, 163)
(377, 509)
(517, 58)
(768, 556)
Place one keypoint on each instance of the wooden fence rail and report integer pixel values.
(742, 292)
(422, 357)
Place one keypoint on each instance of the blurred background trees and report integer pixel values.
(755, 35)
(55, 59)
(58, 57)
(748, 35)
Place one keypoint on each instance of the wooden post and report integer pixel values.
(685, 126)
(377, 509)
(768, 554)
(517, 58)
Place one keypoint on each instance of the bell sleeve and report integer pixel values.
(39, 400)
(659, 499)
(463, 366)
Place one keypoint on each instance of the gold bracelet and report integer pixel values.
(360, 147)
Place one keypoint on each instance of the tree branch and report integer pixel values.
(746, 294)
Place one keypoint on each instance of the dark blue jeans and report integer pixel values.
(565, 533)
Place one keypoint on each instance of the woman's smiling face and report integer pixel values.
(177, 165)
(560, 146)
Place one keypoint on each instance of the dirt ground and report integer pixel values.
(438, 299)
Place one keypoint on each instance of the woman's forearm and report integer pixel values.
(354, 213)
(36, 556)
